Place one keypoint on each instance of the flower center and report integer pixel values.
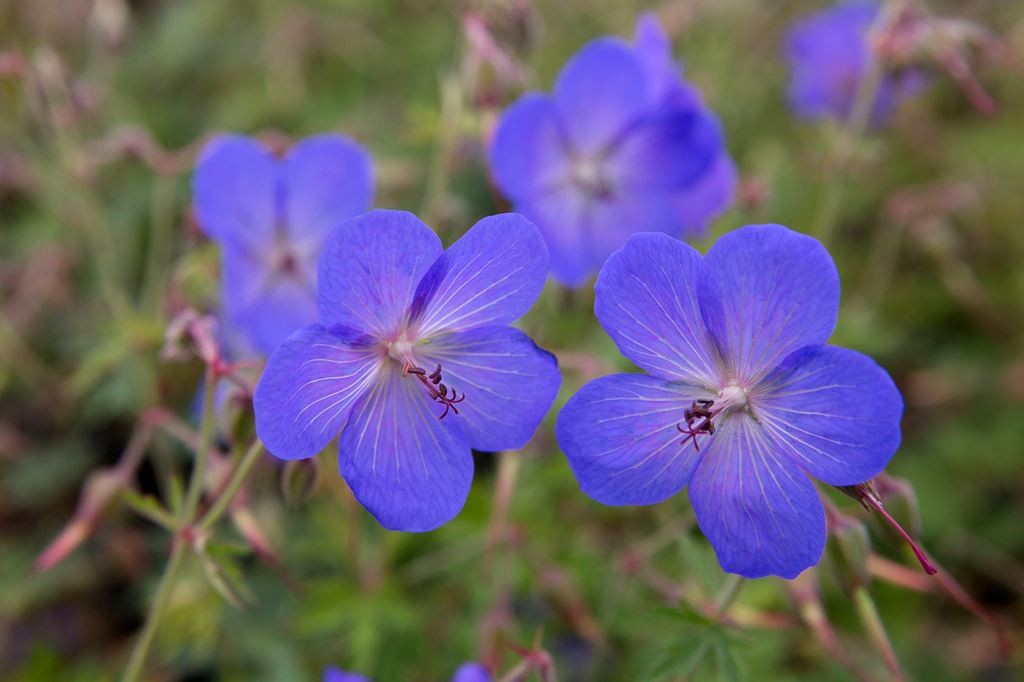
(699, 418)
(588, 174)
(400, 350)
(432, 383)
(283, 258)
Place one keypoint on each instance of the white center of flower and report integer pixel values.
(400, 350)
(732, 397)
(588, 174)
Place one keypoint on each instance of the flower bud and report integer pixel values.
(298, 480)
(847, 551)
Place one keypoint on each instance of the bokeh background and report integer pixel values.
(104, 104)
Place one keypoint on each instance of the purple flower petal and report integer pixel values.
(509, 384)
(528, 153)
(764, 292)
(308, 388)
(332, 674)
(619, 434)
(409, 469)
(602, 91)
(711, 196)
(827, 59)
(370, 268)
(561, 216)
(235, 189)
(265, 305)
(834, 412)
(665, 152)
(761, 514)
(472, 672)
(646, 299)
(490, 276)
(328, 178)
(582, 232)
(652, 46)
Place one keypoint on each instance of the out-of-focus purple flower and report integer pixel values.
(622, 145)
(332, 674)
(472, 672)
(409, 333)
(743, 402)
(467, 672)
(829, 55)
(271, 217)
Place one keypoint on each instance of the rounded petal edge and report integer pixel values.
(620, 437)
(308, 388)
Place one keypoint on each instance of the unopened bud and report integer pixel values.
(847, 550)
(298, 480)
(868, 496)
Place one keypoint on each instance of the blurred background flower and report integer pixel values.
(622, 145)
(830, 55)
(271, 218)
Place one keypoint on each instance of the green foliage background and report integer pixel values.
(97, 254)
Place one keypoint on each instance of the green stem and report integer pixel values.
(727, 595)
(195, 484)
(234, 485)
(155, 615)
(450, 122)
(853, 130)
(872, 621)
(188, 508)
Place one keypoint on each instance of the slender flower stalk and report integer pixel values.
(727, 594)
(872, 621)
(195, 485)
(187, 526)
(805, 592)
(853, 129)
(497, 527)
(155, 614)
(163, 594)
(234, 484)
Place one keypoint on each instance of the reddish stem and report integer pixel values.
(922, 558)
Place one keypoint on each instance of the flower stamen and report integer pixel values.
(434, 388)
(697, 420)
(699, 410)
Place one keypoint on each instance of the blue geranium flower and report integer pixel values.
(622, 145)
(271, 217)
(744, 401)
(413, 361)
(829, 56)
(467, 672)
